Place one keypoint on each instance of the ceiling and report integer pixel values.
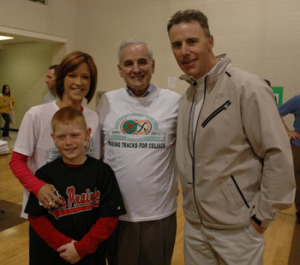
(17, 39)
(21, 36)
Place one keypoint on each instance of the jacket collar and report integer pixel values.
(213, 76)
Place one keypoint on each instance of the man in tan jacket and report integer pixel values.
(232, 151)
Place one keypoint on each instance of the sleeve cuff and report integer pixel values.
(82, 252)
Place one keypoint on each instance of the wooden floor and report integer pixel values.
(14, 241)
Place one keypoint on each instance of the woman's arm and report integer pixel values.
(43, 191)
(20, 169)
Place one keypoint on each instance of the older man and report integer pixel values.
(232, 151)
(138, 124)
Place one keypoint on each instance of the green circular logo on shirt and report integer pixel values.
(129, 127)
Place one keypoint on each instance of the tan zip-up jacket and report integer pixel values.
(240, 162)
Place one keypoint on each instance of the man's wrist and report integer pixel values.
(256, 220)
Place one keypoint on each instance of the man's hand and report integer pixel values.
(294, 134)
(257, 227)
(69, 253)
(48, 198)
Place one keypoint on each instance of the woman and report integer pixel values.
(76, 79)
(7, 104)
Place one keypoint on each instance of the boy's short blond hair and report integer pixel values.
(68, 115)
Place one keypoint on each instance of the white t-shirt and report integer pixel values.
(34, 138)
(139, 138)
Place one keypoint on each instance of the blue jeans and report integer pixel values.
(6, 125)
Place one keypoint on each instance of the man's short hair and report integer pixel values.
(54, 67)
(187, 16)
(68, 115)
(128, 42)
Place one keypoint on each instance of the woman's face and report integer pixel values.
(77, 83)
(7, 89)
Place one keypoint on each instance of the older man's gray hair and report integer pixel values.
(127, 42)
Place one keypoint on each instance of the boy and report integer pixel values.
(75, 232)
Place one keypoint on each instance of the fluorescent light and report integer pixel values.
(5, 37)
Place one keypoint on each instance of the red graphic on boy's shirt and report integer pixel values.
(77, 203)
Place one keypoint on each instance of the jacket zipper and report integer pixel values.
(216, 112)
(193, 154)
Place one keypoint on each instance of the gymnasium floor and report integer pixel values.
(14, 240)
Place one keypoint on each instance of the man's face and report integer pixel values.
(136, 68)
(50, 79)
(192, 48)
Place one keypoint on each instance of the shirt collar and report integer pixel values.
(150, 90)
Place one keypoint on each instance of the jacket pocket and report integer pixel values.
(224, 106)
(240, 191)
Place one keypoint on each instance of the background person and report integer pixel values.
(138, 127)
(232, 151)
(75, 231)
(50, 81)
(7, 104)
(292, 106)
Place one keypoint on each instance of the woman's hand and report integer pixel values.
(48, 197)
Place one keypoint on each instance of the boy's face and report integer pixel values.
(70, 139)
